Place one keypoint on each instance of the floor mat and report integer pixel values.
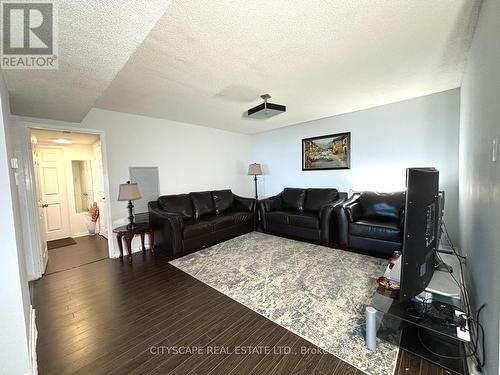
(68, 241)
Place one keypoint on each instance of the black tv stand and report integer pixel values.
(435, 348)
(431, 330)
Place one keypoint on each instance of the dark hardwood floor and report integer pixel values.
(86, 250)
(111, 317)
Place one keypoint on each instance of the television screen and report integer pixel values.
(421, 230)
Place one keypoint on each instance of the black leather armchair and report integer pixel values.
(302, 213)
(187, 222)
(372, 222)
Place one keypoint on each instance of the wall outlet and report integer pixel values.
(494, 149)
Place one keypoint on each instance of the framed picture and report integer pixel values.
(331, 151)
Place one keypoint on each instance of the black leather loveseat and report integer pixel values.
(302, 213)
(372, 222)
(187, 222)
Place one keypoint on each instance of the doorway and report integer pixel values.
(70, 191)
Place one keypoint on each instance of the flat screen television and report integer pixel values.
(421, 231)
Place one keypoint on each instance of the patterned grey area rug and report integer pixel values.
(316, 292)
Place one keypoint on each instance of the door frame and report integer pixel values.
(27, 188)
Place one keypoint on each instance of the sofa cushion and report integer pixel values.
(196, 228)
(293, 199)
(241, 217)
(379, 229)
(305, 220)
(317, 198)
(382, 205)
(223, 200)
(278, 217)
(178, 204)
(202, 203)
(219, 222)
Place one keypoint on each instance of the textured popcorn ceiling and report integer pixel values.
(206, 62)
(96, 38)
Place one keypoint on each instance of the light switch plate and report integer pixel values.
(494, 149)
(13, 163)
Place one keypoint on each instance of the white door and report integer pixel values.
(53, 192)
(41, 209)
(100, 195)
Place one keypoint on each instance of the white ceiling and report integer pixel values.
(48, 136)
(96, 38)
(207, 62)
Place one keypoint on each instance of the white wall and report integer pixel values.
(14, 295)
(421, 132)
(479, 176)
(189, 157)
(385, 140)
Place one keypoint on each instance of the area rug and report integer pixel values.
(316, 292)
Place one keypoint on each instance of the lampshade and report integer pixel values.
(129, 192)
(254, 169)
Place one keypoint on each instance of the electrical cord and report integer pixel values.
(462, 286)
(452, 276)
(464, 294)
(466, 355)
(450, 242)
(461, 259)
(467, 303)
(482, 361)
(463, 289)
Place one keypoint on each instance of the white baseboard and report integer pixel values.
(81, 234)
(33, 334)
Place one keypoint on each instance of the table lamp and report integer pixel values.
(255, 170)
(129, 192)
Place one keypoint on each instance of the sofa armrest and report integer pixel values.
(271, 203)
(342, 220)
(326, 216)
(353, 211)
(248, 204)
(156, 212)
(268, 205)
(168, 228)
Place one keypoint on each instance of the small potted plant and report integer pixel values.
(93, 216)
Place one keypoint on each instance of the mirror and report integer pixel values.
(82, 185)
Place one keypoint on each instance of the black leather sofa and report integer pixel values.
(302, 213)
(372, 222)
(187, 222)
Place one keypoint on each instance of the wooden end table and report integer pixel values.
(139, 228)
